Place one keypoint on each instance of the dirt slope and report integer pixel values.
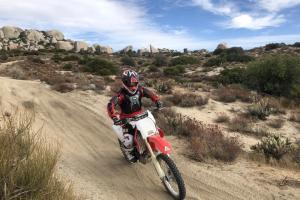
(92, 161)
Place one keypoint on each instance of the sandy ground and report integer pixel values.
(92, 160)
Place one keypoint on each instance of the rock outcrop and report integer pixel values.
(64, 45)
(11, 32)
(80, 46)
(33, 35)
(127, 49)
(55, 34)
(222, 46)
(33, 40)
(153, 49)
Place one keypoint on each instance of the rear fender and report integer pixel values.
(159, 144)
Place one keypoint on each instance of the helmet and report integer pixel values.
(130, 81)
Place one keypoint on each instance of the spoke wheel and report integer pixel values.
(173, 181)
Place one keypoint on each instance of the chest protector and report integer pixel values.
(132, 103)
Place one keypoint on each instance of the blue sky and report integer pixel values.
(176, 24)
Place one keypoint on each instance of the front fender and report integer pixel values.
(159, 144)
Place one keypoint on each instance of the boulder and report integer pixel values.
(55, 34)
(34, 35)
(143, 51)
(11, 32)
(91, 49)
(12, 45)
(127, 49)
(1, 46)
(103, 49)
(53, 41)
(1, 34)
(81, 46)
(64, 45)
(153, 49)
(222, 46)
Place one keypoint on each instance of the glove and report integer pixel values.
(159, 105)
(117, 121)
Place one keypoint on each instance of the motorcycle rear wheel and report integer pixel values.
(173, 181)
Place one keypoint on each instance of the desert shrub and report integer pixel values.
(296, 44)
(188, 99)
(296, 152)
(28, 105)
(206, 141)
(272, 46)
(275, 75)
(240, 124)
(27, 162)
(174, 70)
(153, 68)
(160, 60)
(295, 117)
(214, 62)
(273, 146)
(222, 118)
(36, 60)
(126, 60)
(3, 57)
(276, 123)
(56, 58)
(232, 76)
(261, 109)
(68, 66)
(101, 67)
(15, 72)
(71, 58)
(164, 87)
(233, 54)
(183, 60)
(63, 87)
(233, 92)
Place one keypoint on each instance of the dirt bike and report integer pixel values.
(150, 145)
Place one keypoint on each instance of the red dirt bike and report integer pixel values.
(151, 146)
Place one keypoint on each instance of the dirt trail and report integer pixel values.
(91, 158)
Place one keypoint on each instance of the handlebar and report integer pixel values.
(137, 117)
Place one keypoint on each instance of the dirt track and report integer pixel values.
(92, 161)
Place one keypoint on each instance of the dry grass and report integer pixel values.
(206, 141)
(188, 99)
(295, 117)
(222, 118)
(240, 123)
(276, 123)
(27, 162)
(232, 93)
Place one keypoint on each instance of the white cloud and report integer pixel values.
(223, 9)
(252, 20)
(249, 22)
(277, 5)
(121, 23)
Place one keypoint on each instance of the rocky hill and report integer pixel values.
(32, 40)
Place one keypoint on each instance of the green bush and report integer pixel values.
(160, 60)
(3, 57)
(275, 75)
(232, 76)
(273, 46)
(234, 54)
(184, 60)
(164, 87)
(214, 62)
(260, 109)
(56, 58)
(101, 67)
(126, 60)
(68, 66)
(174, 70)
(71, 58)
(296, 44)
(273, 146)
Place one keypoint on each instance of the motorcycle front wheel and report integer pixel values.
(173, 181)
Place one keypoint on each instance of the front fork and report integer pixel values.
(156, 164)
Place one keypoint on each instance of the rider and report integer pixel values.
(129, 99)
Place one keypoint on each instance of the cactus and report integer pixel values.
(273, 146)
(261, 109)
